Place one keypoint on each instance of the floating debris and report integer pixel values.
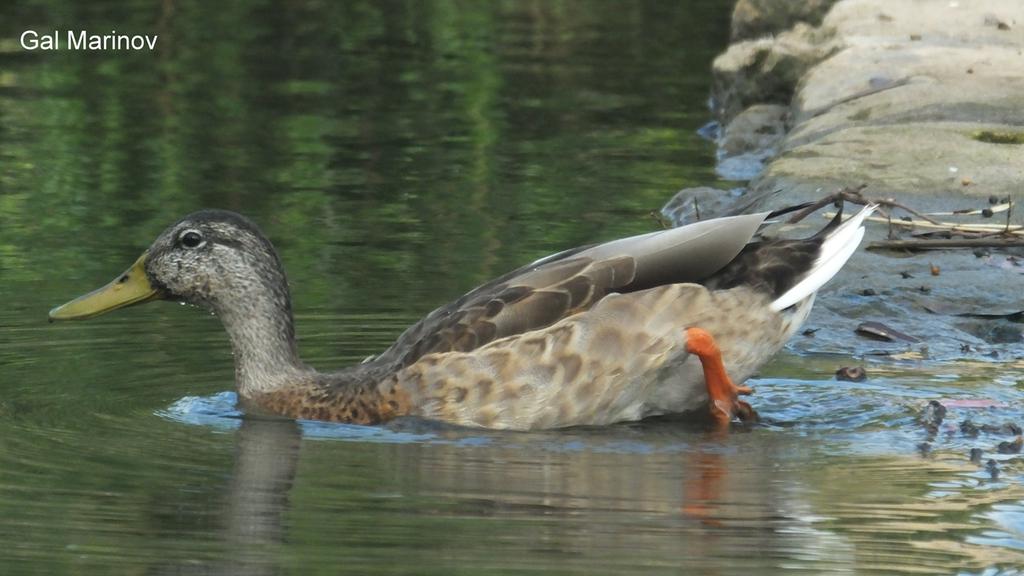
(1011, 447)
(932, 415)
(997, 22)
(994, 137)
(879, 331)
(851, 374)
(959, 309)
(993, 469)
(934, 270)
(972, 403)
(970, 429)
(1007, 429)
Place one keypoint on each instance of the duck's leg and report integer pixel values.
(722, 393)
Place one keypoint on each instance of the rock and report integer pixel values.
(975, 455)
(913, 120)
(851, 374)
(766, 70)
(756, 18)
(879, 331)
(1006, 429)
(993, 469)
(760, 127)
(968, 428)
(994, 331)
(899, 159)
(692, 204)
(750, 140)
(901, 116)
(932, 415)
(1011, 447)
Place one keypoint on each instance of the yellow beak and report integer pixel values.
(129, 288)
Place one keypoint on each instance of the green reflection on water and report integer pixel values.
(397, 153)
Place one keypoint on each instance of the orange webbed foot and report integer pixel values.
(723, 394)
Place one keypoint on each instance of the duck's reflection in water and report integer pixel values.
(615, 500)
(250, 532)
(266, 458)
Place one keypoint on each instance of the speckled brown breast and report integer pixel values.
(362, 403)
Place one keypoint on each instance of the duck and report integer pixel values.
(668, 322)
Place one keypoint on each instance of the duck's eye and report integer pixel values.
(191, 239)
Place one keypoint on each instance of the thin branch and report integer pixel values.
(1015, 229)
(994, 242)
(855, 196)
(1009, 210)
(847, 194)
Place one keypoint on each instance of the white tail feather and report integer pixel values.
(835, 251)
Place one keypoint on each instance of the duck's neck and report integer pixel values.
(262, 335)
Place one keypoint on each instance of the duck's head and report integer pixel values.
(213, 258)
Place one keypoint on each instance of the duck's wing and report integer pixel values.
(791, 270)
(552, 288)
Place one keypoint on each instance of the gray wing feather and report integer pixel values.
(552, 288)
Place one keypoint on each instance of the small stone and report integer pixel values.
(868, 292)
(975, 455)
(1006, 429)
(851, 374)
(987, 213)
(993, 199)
(932, 415)
(993, 469)
(1011, 447)
(879, 331)
(999, 23)
(968, 428)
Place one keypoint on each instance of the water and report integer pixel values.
(398, 154)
